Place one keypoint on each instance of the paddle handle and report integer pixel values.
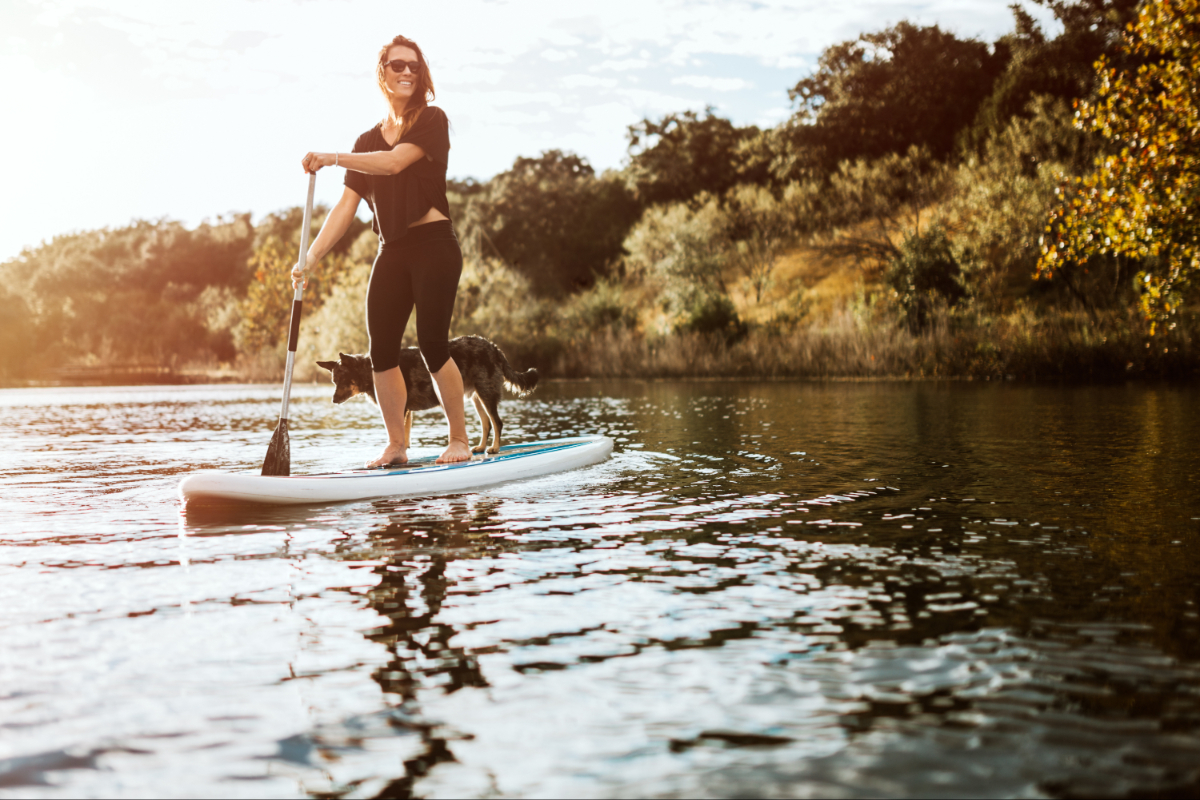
(297, 298)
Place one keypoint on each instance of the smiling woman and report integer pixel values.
(399, 166)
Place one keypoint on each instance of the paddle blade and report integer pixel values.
(279, 452)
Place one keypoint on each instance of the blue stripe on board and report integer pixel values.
(522, 450)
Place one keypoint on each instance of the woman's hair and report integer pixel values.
(421, 95)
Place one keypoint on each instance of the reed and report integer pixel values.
(1021, 345)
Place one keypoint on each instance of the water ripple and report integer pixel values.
(770, 589)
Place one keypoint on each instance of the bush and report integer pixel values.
(607, 306)
(925, 274)
(713, 314)
(683, 250)
(866, 206)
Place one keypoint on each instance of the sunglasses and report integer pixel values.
(398, 66)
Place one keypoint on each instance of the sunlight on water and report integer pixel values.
(769, 589)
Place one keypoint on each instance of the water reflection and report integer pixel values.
(410, 594)
(770, 589)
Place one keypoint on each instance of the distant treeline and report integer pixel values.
(897, 223)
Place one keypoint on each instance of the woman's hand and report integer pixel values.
(335, 227)
(298, 279)
(314, 161)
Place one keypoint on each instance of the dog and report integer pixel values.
(485, 372)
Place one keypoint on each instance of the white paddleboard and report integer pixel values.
(420, 477)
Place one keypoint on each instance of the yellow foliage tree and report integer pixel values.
(1141, 200)
(268, 303)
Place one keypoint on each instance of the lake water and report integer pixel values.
(771, 589)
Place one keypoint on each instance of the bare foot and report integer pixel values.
(458, 450)
(394, 453)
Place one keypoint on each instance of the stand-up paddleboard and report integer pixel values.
(419, 477)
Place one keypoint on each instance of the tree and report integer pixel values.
(553, 220)
(866, 207)
(1140, 202)
(886, 92)
(267, 305)
(682, 244)
(284, 226)
(128, 294)
(760, 229)
(16, 329)
(999, 200)
(684, 251)
(1060, 68)
(684, 154)
(459, 196)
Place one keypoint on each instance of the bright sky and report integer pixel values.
(148, 109)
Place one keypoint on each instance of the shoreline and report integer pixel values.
(186, 379)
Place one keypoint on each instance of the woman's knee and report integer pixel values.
(384, 358)
(435, 352)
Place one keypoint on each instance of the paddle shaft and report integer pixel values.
(297, 300)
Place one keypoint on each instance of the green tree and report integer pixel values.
(683, 244)
(888, 91)
(459, 195)
(865, 208)
(1140, 202)
(147, 255)
(284, 226)
(16, 328)
(684, 248)
(498, 302)
(999, 199)
(130, 294)
(553, 220)
(1061, 67)
(683, 154)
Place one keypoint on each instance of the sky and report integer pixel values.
(114, 111)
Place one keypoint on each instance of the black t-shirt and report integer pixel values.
(401, 199)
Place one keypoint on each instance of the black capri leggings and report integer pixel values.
(421, 270)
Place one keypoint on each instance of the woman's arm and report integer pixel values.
(383, 162)
(335, 227)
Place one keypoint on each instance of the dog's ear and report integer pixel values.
(329, 365)
(342, 357)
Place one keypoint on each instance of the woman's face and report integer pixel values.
(401, 84)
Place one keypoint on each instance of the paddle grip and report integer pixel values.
(294, 331)
(297, 304)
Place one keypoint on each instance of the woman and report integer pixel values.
(399, 166)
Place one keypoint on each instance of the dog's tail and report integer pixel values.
(521, 384)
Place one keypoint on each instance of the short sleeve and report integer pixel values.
(359, 182)
(431, 133)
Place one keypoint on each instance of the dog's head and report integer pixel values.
(351, 375)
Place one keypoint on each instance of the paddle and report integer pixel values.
(279, 452)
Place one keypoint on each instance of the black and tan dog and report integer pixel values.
(485, 373)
